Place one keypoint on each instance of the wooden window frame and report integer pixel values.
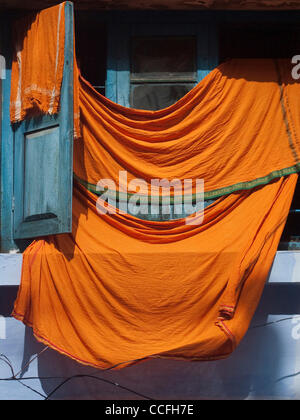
(118, 80)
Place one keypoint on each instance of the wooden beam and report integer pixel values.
(158, 4)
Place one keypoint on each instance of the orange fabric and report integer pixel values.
(37, 68)
(121, 289)
(239, 125)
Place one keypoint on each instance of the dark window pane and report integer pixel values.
(163, 58)
(157, 96)
(266, 40)
(91, 40)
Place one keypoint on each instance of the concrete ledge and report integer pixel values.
(10, 269)
(286, 268)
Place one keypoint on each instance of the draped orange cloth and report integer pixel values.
(119, 289)
(238, 128)
(37, 68)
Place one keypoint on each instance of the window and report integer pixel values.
(163, 69)
(152, 65)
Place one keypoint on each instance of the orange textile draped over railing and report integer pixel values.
(119, 289)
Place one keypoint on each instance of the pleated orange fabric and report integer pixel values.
(120, 289)
(238, 128)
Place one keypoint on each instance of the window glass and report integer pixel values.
(163, 70)
(157, 96)
(164, 58)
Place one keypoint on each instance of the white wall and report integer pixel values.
(266, 364)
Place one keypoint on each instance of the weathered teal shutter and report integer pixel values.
(43, 161)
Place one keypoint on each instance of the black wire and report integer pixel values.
(288, 376)
(98, 379)
(6, 360)
(66, 380)
(272, 322)
(31, 389)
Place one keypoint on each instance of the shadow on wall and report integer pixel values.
(258, 369)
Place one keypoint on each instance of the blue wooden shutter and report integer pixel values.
(43, 161)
